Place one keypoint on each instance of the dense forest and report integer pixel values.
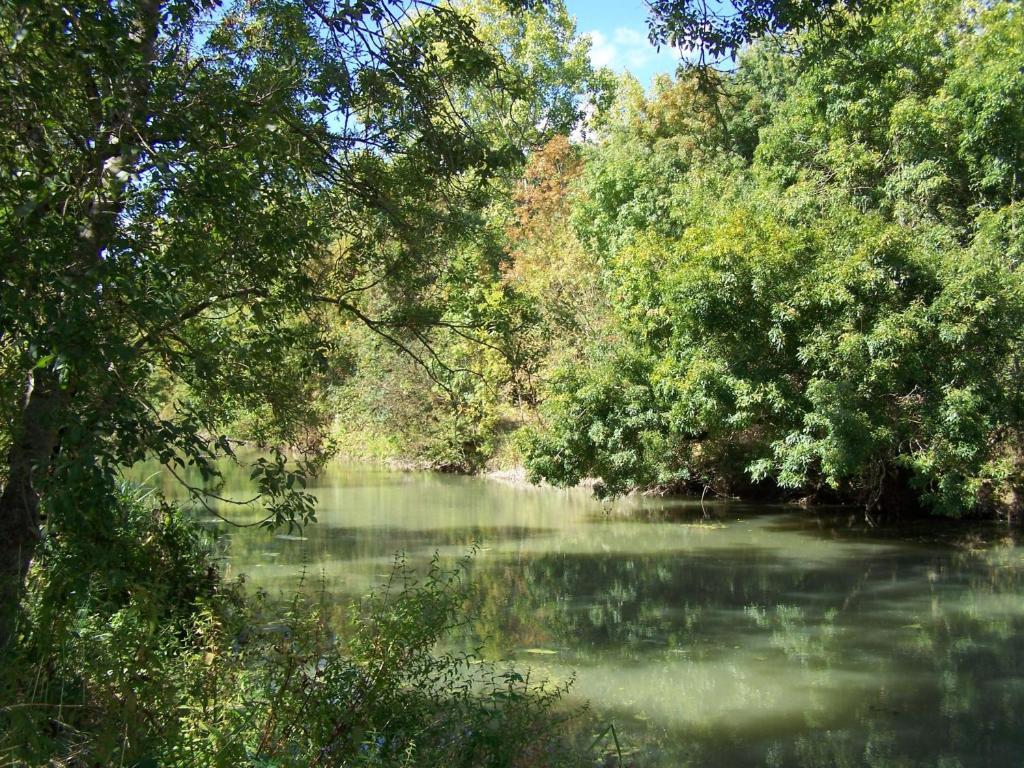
(794, 276)
(264, 233)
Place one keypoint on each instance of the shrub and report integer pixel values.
(137, 652)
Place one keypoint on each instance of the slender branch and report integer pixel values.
(192, 313)
(200, 495)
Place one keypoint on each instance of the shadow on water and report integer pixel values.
(714, 635)
(737, 658)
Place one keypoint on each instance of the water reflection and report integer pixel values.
(723, 635)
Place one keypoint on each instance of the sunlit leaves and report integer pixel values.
(840, 316)
(196, 194)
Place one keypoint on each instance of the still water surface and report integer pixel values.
(729, 636)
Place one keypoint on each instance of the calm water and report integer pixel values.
(749, 636)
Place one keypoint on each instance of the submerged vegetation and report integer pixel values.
(435, 231)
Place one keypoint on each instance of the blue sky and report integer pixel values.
(618, 32)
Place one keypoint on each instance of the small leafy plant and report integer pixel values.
(137, 652)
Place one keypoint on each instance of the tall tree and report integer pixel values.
(190, 189)
(833, 307)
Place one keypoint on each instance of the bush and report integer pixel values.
(831, 311)
(137, 652)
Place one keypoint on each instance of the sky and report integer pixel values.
(618, 33)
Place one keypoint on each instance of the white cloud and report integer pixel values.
(630, 49)
(602, 52)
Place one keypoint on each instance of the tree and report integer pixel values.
(483, 343)
(547, 61)
(832, 308)
(191, 190)
(714, 31)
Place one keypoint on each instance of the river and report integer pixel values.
(719, 634)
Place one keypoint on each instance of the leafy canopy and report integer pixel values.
(815, 276)
(194, 194)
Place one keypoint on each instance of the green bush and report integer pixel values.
(136, 652)
(835, 312)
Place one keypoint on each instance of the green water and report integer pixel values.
(728, 636)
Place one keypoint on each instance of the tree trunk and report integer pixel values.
(35, 438)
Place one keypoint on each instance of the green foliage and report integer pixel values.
(138, 653)
(441, 383)
(836, 312)
(196, 195)
(717, 30)
(547, 64)
(442, 406)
